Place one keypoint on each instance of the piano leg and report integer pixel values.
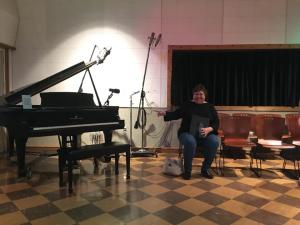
(20, 149)
(107, 136)
(10, 144)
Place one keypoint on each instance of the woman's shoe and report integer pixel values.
(186, 175)
(206, 174)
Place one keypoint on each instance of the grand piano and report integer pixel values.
(66, 114)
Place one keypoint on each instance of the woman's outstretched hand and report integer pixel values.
(161, 113)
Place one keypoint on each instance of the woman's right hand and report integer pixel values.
(161, 113)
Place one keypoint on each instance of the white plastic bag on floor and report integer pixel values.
(173, 167)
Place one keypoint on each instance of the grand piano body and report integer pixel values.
(66, 114)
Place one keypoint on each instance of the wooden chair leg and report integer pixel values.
(223, 163)
(128, 164)
(220, 169)
(222, 158)
(298, 170)
(116, 163)
(70, 175)
(257, 167)
(284, 164)
(217, 167)
(260, 168)
(257, 170)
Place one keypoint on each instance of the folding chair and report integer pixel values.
(236, 130)
(269, 130)
(292, 155)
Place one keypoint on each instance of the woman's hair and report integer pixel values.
(200, 87)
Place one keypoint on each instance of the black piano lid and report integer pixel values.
(15, 96)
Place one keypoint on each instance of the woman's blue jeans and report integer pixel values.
(210, 146)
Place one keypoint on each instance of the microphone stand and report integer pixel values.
(131, 103)
(141, 111)
(80, 87)
(99, 61)
(107, 100)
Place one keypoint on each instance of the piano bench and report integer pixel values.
(90, 151)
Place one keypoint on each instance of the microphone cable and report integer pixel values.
(141, 118)
(142, 112)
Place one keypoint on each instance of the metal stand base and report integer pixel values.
(143, 153)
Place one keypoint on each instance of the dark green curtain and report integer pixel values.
(238, 77)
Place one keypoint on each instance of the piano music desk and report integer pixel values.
(90, 151)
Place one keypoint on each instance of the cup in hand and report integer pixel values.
(201, 131)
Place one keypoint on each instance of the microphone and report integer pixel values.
(107, 52)
(135, 92)
(152, 37)
(113, 90)
(157, 40)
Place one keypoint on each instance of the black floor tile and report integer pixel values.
(84, 212)
(220, 216)
(240, 186)
(275, 187)
(252, 200)
(7, 207)
(57, 195)
(40, 211)
(174, 215)
(171, 184)
(172, 197)
(205, 185)
(138, 183)
(211, 198)
(21, 194)
(268, 218)
(128, 213)
(288, 200)
(134, 196)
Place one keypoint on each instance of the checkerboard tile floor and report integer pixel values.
(149, 197)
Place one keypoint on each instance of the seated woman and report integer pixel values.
(204, 114)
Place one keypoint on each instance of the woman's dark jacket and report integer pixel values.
(186, 111)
